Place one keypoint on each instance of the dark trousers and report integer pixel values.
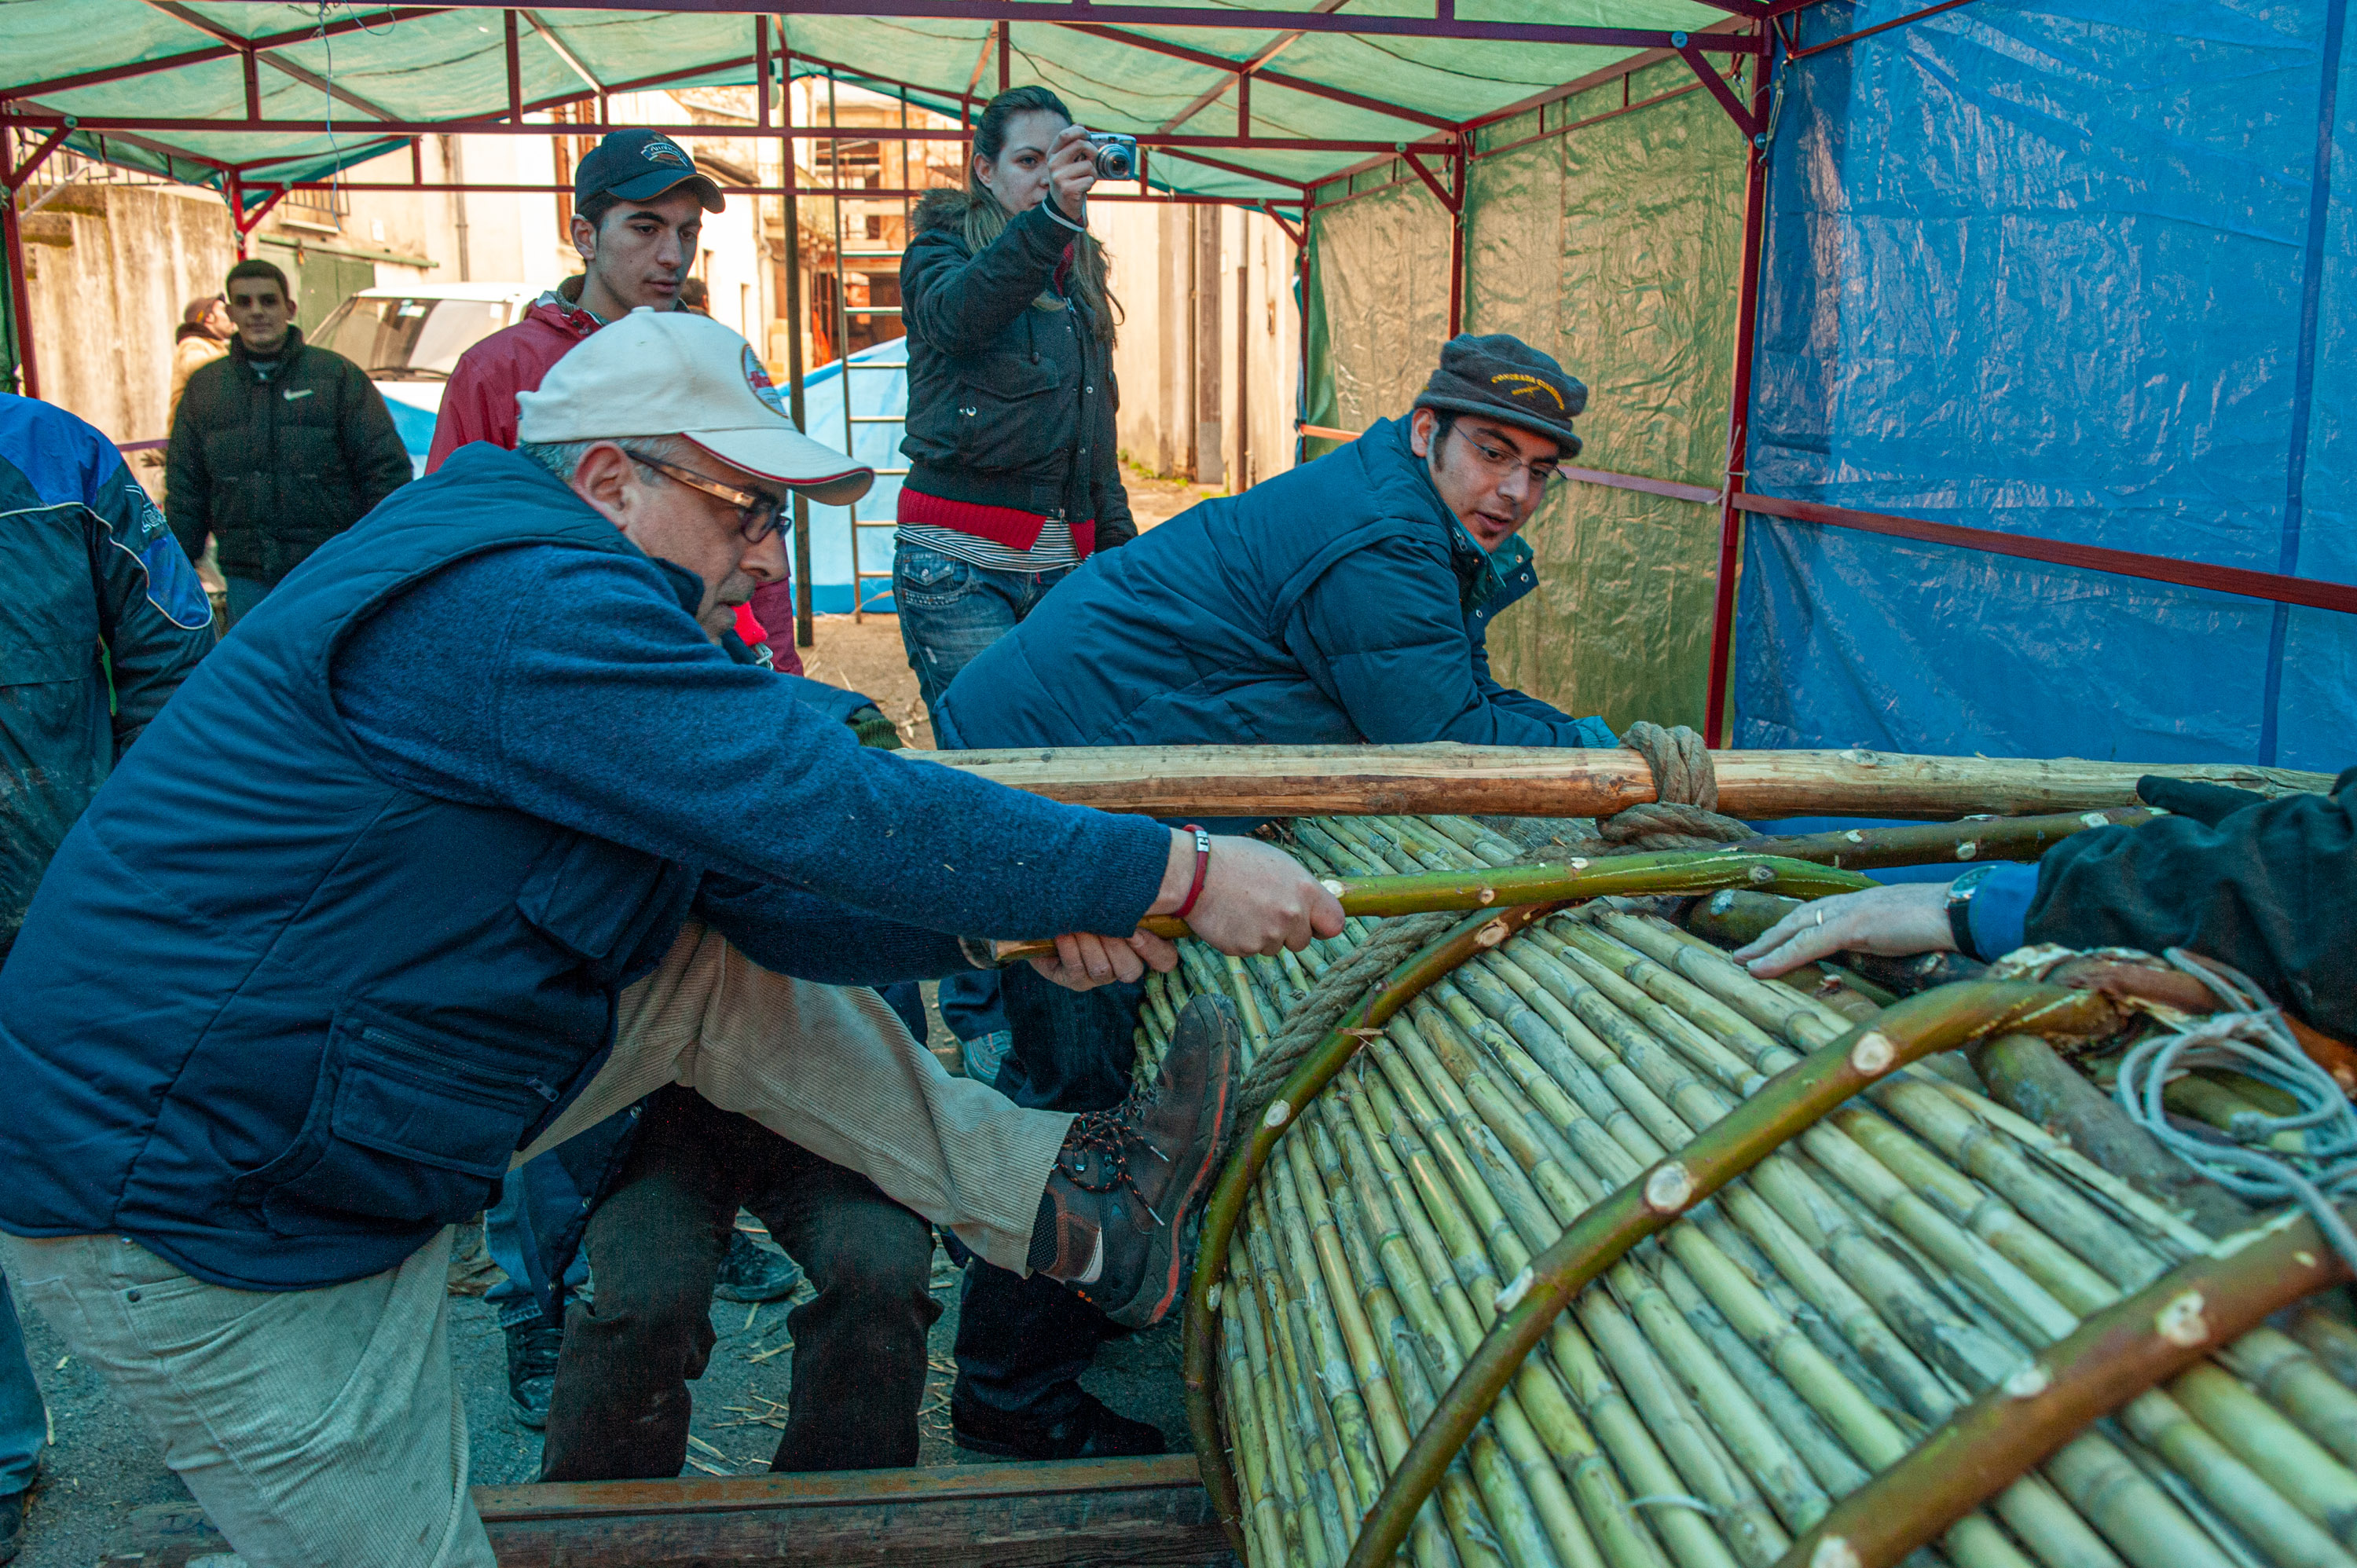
(620, 1406)
(1022, 1344)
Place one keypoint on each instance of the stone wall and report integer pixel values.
(109, 268)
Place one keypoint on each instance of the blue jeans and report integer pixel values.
(951, 610)
(536, 1203)
(977, 1021)
(244, 593)
(22, 1421)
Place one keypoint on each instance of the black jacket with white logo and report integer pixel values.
(273, 461)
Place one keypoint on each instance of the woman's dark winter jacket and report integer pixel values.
(273, 464)
(1009, 406)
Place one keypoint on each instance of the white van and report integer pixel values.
(409, 340)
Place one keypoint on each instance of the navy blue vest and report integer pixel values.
(276, 1017)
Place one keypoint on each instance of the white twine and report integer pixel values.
(2250, 1038)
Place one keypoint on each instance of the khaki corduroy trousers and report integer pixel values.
(323, 1429)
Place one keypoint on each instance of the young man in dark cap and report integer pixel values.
(1346, 601)
(638, 206)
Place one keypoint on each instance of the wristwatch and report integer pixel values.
(1960, 909)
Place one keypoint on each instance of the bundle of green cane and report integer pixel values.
(1716, 1390)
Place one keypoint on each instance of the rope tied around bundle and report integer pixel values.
(1682, 816)
(1312, 1019)
(1684, 813)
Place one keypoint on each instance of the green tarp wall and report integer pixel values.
(1615, 247)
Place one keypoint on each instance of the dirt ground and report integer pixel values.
(100, 1466)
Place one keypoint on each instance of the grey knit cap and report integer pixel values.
(1503, 377)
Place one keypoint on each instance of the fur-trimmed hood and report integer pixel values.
(945, 209)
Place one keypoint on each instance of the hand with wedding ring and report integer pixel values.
(1895, 920)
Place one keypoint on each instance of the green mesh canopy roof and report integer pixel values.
(149, 79)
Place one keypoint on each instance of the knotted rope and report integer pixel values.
(1684, 813)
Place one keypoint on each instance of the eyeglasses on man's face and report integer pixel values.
(758, 515)
(1500, 465)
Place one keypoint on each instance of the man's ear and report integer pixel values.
(585, 238)
(601, 477)
(1419, 431)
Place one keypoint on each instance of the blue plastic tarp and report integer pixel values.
(878, 387)
(2049, 269)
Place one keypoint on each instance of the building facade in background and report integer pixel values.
(1208, 359)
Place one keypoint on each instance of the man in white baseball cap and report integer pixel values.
(414, 876)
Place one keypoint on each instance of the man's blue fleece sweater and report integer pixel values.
(558, 683)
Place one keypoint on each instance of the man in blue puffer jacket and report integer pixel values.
(1349, 600)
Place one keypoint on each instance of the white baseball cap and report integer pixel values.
(673, 372)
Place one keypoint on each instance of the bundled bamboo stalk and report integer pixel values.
(1712, 1396)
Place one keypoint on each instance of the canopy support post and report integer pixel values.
(805, 631)
(515, 68)
(1716, 719)
(12, 240)
(1751, 121)
(761, 73)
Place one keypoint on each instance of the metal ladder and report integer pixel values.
(862, 575)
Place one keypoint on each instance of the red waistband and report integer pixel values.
(1005, 525)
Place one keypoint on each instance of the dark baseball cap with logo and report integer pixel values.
(638, 166)
(1506, 379)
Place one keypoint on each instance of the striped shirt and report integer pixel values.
(1052, 553)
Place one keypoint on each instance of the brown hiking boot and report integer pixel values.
(1135, 1174)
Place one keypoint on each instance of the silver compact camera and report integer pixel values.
(1116, 155)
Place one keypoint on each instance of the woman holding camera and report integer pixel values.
(1013, 478)
(1012, 484)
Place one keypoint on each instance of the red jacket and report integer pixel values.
(478, 403)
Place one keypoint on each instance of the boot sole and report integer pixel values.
(1168, 1254)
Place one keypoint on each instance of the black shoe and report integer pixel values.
(532, 1345)
(12, 1525)
(753, 1272)
(1094, 1431)
(1127, 1180)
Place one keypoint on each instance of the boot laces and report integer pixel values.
(1110, 1135)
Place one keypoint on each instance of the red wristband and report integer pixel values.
(1202, 867)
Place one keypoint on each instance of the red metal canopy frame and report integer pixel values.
(1433, 148)
(24, 117)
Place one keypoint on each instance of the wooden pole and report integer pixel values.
(1151, 1510)
(1537, 781)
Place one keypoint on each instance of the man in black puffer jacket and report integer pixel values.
(277, 447)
